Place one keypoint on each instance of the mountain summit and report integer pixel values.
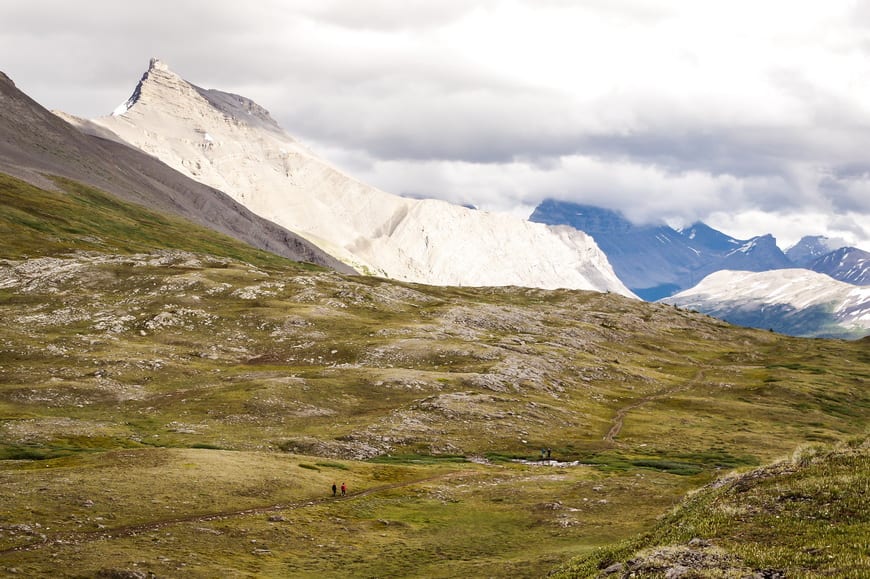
(231, 143)
(149, 83)
(36, 145)
(159, 85)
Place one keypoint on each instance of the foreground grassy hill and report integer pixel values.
(806, 516)
(174, 402)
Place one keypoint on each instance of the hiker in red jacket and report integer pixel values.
(343, 489)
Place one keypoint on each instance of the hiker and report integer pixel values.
(548, 453)
(334, 488)
(343, 489)
(543, 453)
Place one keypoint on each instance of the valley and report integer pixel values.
(177, 403)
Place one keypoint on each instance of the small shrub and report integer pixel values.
(670, 466)
(337, 465)
(206, 446)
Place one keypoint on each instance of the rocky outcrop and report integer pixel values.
(698, 558)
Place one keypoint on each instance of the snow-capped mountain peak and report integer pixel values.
(812, 247)
(231, 143)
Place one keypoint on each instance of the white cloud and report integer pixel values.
(754, 116)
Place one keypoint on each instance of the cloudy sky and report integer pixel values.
(753, 116)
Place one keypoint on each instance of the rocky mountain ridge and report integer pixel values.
(231, 144)
(36, 145)
(811, 247)
(848, 264)
(831, 257)
(656, 261)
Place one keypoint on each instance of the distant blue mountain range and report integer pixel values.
(657, 261)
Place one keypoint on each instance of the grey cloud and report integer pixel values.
(852, 223)
(388, 15)
(847, 191)
(349, 76)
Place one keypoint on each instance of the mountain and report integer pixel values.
(810, 248)
(177, 403)
(656, 261)
(831, 257)
(231, 143)
(758, 254)
(36, 144)
(848, 264)
(798, 302)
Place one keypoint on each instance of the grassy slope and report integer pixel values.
(35, 222)
(808, 516)
(209, 377)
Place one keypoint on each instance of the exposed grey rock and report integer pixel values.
(122, 574)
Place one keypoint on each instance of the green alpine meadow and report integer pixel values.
(174, 403)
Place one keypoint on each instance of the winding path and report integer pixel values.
(620, 414)
(80, 537)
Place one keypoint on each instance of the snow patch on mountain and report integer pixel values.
(848, 264)
(745, 248)
(798, 301)
(231, 143)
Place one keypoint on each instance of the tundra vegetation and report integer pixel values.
(175, 403)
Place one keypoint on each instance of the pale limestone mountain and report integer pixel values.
(231, 143)
(38, 146)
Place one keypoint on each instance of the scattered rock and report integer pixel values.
(699, 559)
(122, 574)
(677, 572)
